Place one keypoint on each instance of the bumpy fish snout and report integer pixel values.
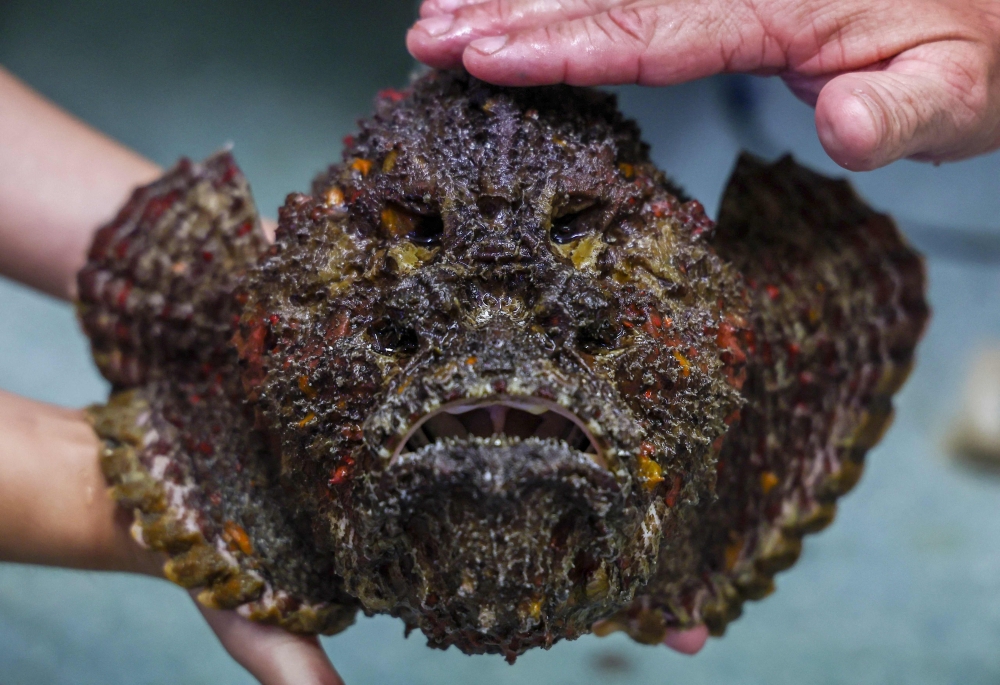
(496, 519)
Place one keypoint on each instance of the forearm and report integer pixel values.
(59, 180)
(54, 508)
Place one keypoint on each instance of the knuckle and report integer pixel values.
(903, 112)
(578, 7)
(636, 23)
(895, 105)
(564, 33)
(967, 79)
(599, 31)
(746, 37)
(490, 13)
(502, 11)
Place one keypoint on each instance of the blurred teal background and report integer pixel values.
(903, 588)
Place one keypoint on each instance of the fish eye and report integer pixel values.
(574, 225)
(420, 228)
(428, 230)
(599, 336)
(390, 337)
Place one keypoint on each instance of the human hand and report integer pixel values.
(54, 511)
(687, 641)
(273, 655)
(889, 78)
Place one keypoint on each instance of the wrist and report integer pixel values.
(54, 506)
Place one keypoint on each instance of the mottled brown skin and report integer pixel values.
(496, 376)
(837, 305)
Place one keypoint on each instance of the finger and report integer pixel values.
(687, 641)
(439, 40)
(934, 103)
(430, 8)
(808, 87)
(272, 655)
(656, 44)
(663, 42)
(269, 226)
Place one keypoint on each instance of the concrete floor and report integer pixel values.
(903, 588)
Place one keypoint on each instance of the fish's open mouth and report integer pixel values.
(512, 417)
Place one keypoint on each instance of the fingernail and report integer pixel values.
(489, 46)
(435, 26)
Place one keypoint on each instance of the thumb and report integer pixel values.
(271, 654)
(932, 103)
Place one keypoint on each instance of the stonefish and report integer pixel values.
(497, 376)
